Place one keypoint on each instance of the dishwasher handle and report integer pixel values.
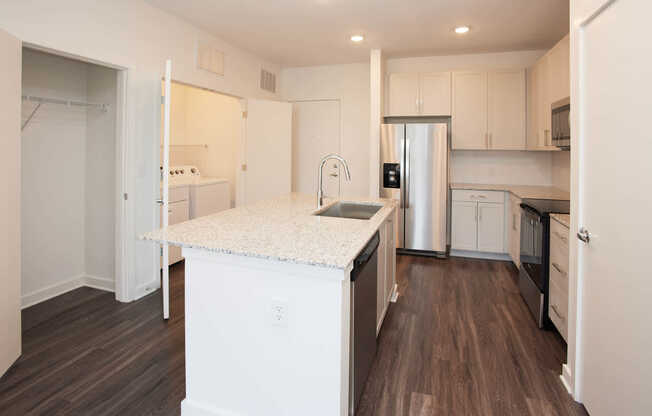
(366, 254)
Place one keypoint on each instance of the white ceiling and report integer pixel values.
(314, 32)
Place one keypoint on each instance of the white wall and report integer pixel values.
(501, 167)
(132, 34)
(561, 170)
(204, 117)
(53, 166)
(350, 85)
(100, 177)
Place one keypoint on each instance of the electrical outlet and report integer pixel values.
(279, 313)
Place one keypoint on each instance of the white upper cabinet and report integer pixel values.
(469, 121)
(548, 81)
(435, 97)
(403, 94)
(414, 94)
(506, 110)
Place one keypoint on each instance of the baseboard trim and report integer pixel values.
(565, 377)
(49, 292)
(480, 255)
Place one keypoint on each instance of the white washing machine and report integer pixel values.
(206, 195)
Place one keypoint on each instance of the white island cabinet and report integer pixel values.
(267, 306)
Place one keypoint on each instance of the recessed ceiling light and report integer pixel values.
(357, 38)
(460, 30)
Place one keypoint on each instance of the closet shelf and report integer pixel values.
(49, 100)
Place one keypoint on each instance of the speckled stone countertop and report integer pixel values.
(563, 219)
(520, 191)
(281, 229)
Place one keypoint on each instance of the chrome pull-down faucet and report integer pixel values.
(320, 191)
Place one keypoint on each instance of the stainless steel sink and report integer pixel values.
(350, 210)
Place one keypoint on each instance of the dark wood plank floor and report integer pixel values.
(458, 342)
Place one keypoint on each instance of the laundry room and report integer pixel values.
(68, 175)
(205, 132)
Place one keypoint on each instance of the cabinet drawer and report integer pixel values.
(558, 234)
(558, 309)
(559, 275)
(496, 197)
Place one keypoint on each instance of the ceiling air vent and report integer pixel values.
(267, 81)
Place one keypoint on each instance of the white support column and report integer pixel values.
(376, 77)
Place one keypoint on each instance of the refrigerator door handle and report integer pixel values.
(407, 173)
(402, 175)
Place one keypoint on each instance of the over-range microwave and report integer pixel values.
(561, 124)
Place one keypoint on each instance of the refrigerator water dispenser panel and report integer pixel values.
(391, 175)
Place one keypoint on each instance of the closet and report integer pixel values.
(68, 175)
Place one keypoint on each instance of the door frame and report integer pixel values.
(124, 284)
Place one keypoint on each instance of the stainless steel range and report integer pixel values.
(534, 273)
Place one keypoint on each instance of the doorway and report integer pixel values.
(69, 158)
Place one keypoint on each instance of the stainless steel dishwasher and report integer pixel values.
(362, 349)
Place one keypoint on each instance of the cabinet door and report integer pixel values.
(464, 225)
(533, 111)
(390, 277)
(515, 230)
(435, 94)
(469, 116)
(491, 231)
(382, 275)
(559, 64)
(545, 116)
(506, 110)
(403, 94)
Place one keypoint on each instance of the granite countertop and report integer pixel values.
(520, 191)
(563, 219)
(282, 229)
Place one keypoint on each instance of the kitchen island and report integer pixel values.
(267, 305)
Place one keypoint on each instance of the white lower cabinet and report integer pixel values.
(558, 287)
(514, 229)
(478, 221)
(386, 268)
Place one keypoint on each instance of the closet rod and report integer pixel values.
(48, 100)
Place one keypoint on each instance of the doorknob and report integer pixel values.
(584, 235)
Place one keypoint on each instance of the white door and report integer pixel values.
(315, 134)
(506, 110)
(491, 227)
(403, 94)
(469, 116)
(615, 202)
(435, 94)
(10, 92)
(267, 162)
(464, 225)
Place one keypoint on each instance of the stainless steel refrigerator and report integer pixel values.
(414, 164)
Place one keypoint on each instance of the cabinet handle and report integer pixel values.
(556, 266)
(554, 309)
(416, 103)
(514, 222)
(480, 213)
(491, 140)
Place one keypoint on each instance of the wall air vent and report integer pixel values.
(210, 59)
(267, 81)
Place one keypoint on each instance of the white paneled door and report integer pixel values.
(315, 134)
(266, 166)
(10, 91)
(614, 86)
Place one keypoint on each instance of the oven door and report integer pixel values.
(532, 234)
